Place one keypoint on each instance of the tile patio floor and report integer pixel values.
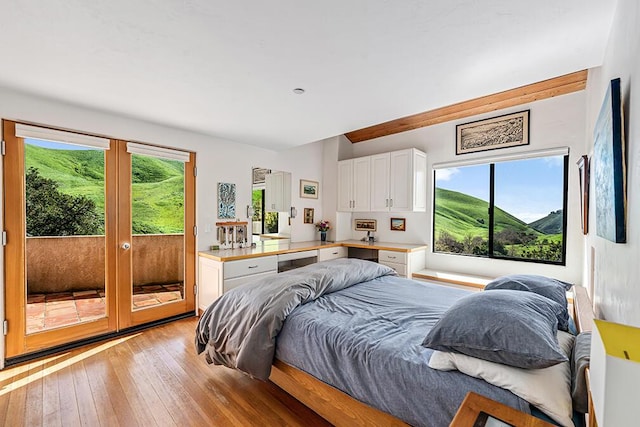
(47, 311)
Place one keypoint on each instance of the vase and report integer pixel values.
(323, 236)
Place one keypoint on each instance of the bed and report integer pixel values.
(332, 335)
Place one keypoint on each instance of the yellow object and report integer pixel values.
(622, 341)
(615, 373)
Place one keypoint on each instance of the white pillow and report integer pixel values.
(548, 389)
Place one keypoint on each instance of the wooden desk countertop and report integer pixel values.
(275, 247)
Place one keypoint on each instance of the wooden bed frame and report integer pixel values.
(340, 409)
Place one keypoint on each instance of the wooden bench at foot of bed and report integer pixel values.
(340, 409)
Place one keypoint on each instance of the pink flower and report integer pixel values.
(323, 225)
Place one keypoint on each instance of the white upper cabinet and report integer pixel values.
(353, 185)
(380, 182)
(387, 182)
(408, 181)
(399, 181)
(345, 185)
(277, 194)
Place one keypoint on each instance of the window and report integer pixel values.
(511, 209)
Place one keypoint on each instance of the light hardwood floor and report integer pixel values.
(148, 378)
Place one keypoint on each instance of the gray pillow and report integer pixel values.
(553, 289)
(503, 326)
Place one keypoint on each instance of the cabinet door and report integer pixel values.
(361, 184)
(380, 182)
(273, 192)
(419, 181)
(345, 185)
(401, 181)
(209, 281)
(277, 193)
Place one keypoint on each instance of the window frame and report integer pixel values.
(491, 202)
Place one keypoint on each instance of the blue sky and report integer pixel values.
(528, 189)
(54, 145)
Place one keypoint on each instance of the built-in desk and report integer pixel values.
(222, 270)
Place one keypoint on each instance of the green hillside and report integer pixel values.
(462, 226)
(550, 224)
(157, 188)
(461, 215)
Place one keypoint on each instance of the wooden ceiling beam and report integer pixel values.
(562, 85)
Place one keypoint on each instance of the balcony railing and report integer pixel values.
(76, 263)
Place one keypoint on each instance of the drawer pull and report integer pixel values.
(334, 253)
(253, 266)
(391, 257)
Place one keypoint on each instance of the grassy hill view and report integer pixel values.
(460, 215)
(157, 188)
(462, 226)
(550, 224)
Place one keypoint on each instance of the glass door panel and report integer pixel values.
(65, 235)
(156, 222)
(157, 226)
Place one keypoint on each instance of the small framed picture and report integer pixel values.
(259, 174)
(583, 169)
(398, 224)
(365, 225)
(308, 215)
(309, 189)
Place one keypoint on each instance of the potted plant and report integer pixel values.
(323, 226)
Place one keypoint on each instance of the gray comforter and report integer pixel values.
(366, 341)
(239, 329)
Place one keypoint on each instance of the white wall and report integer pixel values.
(617, 270)
(555, 122)
(217, 160)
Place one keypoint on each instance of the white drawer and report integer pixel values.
(234, 283)
(401, 269)
(297, 255)
(244, 267)
(391, 256)
(325, 254)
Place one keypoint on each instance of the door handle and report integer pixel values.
(126, 246)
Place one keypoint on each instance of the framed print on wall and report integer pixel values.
(226, 200)
(309, 189)
(308, 215)
(583, 170)
(398, 224)
(510, 130)
(365, 225)
(258, 175)
(609, 167)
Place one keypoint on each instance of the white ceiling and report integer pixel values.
(228, 68)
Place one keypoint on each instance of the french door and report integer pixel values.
(100, 235)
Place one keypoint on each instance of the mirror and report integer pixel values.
(271, 204)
